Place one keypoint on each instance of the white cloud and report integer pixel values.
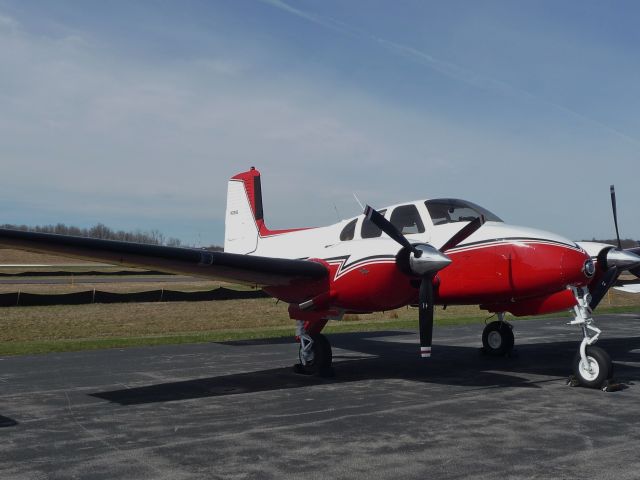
(87, 130)
(8, 23)
(84, 123)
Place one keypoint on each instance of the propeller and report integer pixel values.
(425, 315)
(605, 283)
(615, 260)
(387, 227)
(425, 261)
(615, 214)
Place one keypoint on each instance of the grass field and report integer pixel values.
(8, 255)
(77, 327)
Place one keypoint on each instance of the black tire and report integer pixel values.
(322, 357)
(602, 368)
(497, 338)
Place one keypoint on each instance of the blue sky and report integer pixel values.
(135, 114)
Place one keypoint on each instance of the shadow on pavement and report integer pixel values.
(7, 422)
(451, 365)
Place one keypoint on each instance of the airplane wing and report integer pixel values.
(631, 288)
(254, 270)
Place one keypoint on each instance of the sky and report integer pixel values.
(135, 114)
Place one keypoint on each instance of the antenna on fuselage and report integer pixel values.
(358, 200)
(337, 212)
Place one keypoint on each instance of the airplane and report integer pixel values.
(440, 251)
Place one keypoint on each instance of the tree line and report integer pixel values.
(155, 237)
(101, 231)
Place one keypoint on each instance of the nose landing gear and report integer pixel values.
(592, 365)
(596, 370)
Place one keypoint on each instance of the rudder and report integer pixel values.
(244, 211)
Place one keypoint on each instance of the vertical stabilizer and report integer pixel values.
(244, 210)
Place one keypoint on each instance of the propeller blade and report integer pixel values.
(464, 232)
(615, 214)
(425, 315)
(387, 227)
(603, 286)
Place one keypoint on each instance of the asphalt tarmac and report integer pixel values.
(236, 410)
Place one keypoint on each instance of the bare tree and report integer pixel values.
(101, 231)
(174, 242)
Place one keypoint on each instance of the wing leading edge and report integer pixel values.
(263, 271)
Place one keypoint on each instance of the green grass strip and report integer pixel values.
(70, 345)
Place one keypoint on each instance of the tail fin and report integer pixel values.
(244, 212)
(244, 222)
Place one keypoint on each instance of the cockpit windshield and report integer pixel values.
(449, 210)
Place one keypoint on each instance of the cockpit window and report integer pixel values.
(449, 210)
(348, 231)
(369, 229)
(407, 219)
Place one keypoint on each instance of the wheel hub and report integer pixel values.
(589, 370)
(494, 339)
(306, 352)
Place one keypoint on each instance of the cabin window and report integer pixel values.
(450, 210)
(369, 229)
(407, 220)
(348, 231)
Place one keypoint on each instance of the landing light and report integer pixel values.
(589, 268)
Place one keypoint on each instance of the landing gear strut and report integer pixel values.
(315, 355)
(592, 366)
(497, 337)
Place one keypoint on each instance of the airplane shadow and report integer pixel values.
(451, 365)
(7, 422)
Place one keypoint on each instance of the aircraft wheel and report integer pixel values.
(598, 370)
(497, 338)
(320, 359)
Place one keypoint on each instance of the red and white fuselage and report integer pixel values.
(500, 267)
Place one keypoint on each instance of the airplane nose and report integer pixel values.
(577, 267)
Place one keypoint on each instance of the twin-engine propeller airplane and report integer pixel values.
(443, 251)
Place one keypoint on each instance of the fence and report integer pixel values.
(96, 296)
(90, 273)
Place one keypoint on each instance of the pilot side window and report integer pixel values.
(348, 231)
(450, 210)
(407, 219)
(369, 229)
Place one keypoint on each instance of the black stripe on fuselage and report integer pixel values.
(513, 240)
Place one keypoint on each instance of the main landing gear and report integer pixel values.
(497, 337)
(592, 366)
(315, 354)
